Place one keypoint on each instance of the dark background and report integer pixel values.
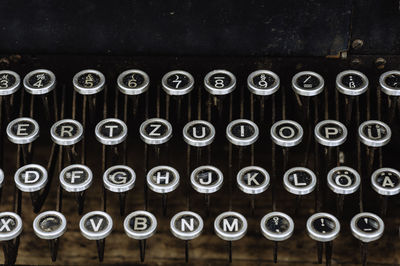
(222, 27)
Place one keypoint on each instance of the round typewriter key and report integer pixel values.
(23, 130)
(299, 180)
(242, 132)
(343, 180)
(199, 133)
(76, 178)
(31, 178)
(186, 225)
(163, 179)
(386, 182)
(253, 180)
(66, 132)
(374, 133)
(96, 225)
(330, 133)
(351, 83)
(263, 82)
(10, 230)
(9, 82)
(220, 82)
(155, 131)
(366, 227)
(390, 83)
(133, 82)
(89, 82)
(40, 81)
(50, 225)
(177, 82)
(206, 179)
(119, 179)
(140, 225)
(277, 226)
(10, 226)
(286, 133)
(111, 131)
(308, 83)
(230, 226)
(324, 228)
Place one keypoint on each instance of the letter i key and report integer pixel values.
(277, 226)
(50, 225)
(386, 182)
(230, 226)
(96, 225)
(10, 230)
(186, 225)
(140, 225)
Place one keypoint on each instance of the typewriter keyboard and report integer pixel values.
(168, 161)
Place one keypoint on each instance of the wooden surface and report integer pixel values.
(163, 248)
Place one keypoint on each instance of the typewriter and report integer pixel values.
(204, 133)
